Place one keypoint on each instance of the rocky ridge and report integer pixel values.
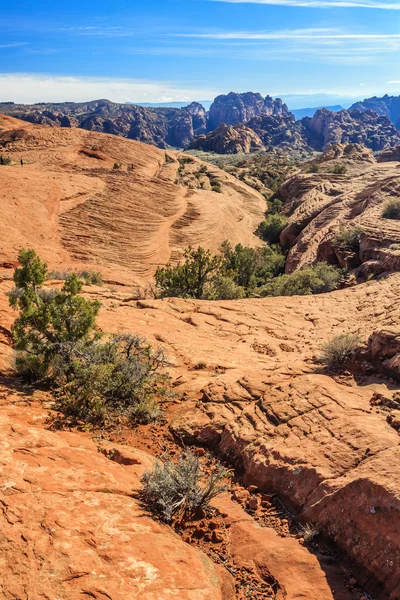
(269, 118)
(320, 205)
(388, 106)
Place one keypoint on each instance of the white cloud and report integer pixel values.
(29, 88)
(376, 4)
(289, 34)
(393, 82)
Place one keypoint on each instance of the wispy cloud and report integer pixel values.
(285, 34)
(29, 88)
(13, 45)
(372, 4)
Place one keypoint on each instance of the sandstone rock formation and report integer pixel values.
(263, 402)
(280, 131)
(68, 195)
(162, 127)
(353, 126)
(388, 106)
(228, 139)
(390, 154)
(239, 108)
(322, 204)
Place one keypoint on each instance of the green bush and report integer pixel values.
(391, 210)
(116, 166)
(216, 187)
(271, 228)
(348, 238)
(224, 288)
(312, 167)
(181, 488)
(87, 277)
(118, 377)
(5, 160)
(339, 169)
(339, 350)
(251, 267)
(310, 280)
(188, 280)
(56, 340)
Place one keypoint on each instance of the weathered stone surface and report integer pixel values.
(384, 349)
(352, 126)
(70, 527)
(239, 108)
(322, 204)
(388, 106)
(228, 139)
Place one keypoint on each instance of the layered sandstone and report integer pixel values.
(68, 196)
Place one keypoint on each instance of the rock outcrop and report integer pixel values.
(280, 131)
(390, 154)
(162, 127)
(320, 205)
(388, 106)
(350, 126)
(240, 108)
(384, 349)
(68, 195)
(228, 139)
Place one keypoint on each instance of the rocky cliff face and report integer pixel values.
(388, 106)
(354, 126)
(228, 139)
(239, 108)
(162, 127)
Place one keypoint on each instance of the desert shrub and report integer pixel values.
(216, 187)
(391, 210)
(309, 533)
(168, 159)
(339, 169)
(271, 228)
(116, 166)
(171, 488)
(91, 277)
(251, 267)
(339, 350)
(118, 377)
(188, 279)
(312, 167)
(5, 160)
(224, 288)
(316, 279)
(56, 340)
(348, 238)
(274, 205)
(87, 277)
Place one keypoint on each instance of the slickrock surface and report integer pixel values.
(72, 206)
(228, 139)
(71, 529)
(321, 204)
(249, 387)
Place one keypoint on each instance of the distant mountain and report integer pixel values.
(300, 113)
(205, 103)
(269, 120)
(388, 106)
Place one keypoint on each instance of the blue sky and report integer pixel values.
(163, 50)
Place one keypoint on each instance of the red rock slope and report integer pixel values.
(69, 203)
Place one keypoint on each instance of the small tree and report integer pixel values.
(391, 210)
(48, 319)
(188, 280)
(271, 228)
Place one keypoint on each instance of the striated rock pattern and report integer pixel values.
(240, 108)
(321, 204)
(69, 203)
(390, 154)
(388, 106)
(228, 139)
(353, 126)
